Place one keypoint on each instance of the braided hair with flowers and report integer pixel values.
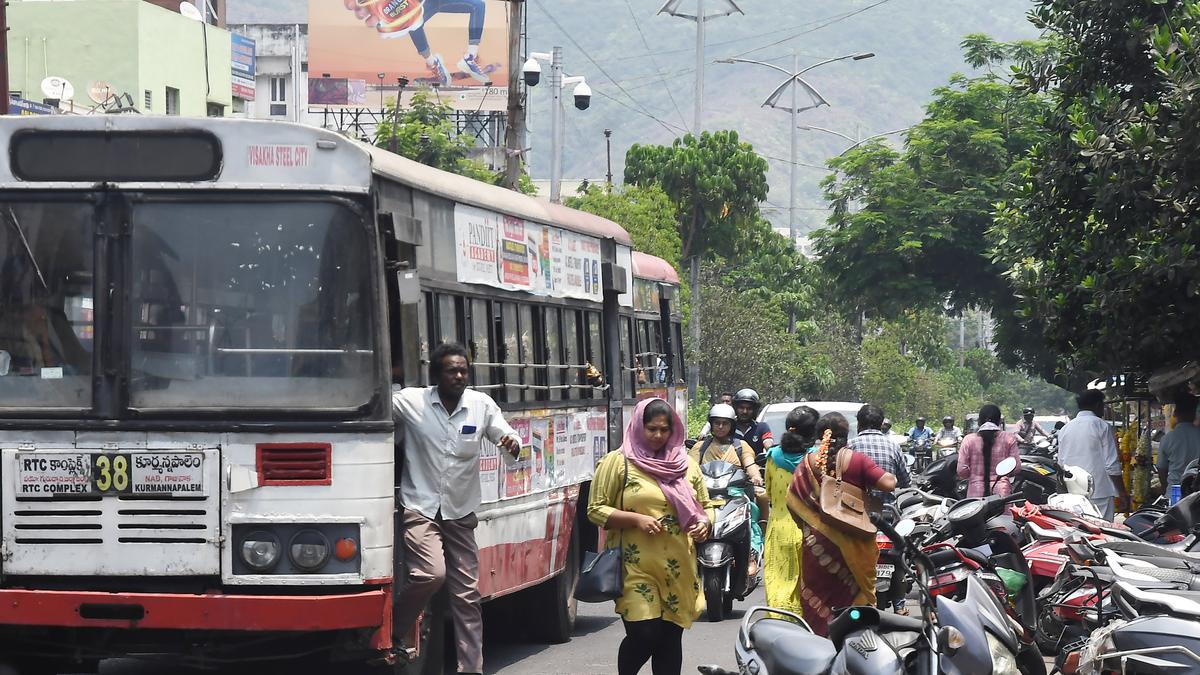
(835, 432)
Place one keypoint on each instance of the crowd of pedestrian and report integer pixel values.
(650, 499)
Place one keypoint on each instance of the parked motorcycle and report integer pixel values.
(725, 556)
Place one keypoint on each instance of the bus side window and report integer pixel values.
(551, 334)
(573, 355)
(528, 354)
(510, 350)
(449, 313)
(679, 374)
(425, 312)
(595, 347)
(628, 363)
(480, 344)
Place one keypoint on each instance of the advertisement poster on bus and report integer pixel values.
(598, 435)
(540, 449)
(516, 474)
(513, 254)
(562, 431)
(458, 46)
(579, 441)
(489, 472)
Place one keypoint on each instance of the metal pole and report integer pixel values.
(608, 153)
(795, 151)
(515, 130)
(962, 339)
(4, 95)
(556, 120)
(699, 114)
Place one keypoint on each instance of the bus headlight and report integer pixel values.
(260, 550)
(309, 550)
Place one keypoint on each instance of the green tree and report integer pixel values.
(716, 182)
(1104, 235)
(909, 229)
(425, 132)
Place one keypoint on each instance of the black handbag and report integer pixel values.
(603, 575)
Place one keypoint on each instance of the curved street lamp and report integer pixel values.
(796, 80)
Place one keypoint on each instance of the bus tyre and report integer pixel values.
(555, 599)
(713, 595)
(431, 654)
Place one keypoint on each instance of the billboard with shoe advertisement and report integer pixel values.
(459, 47)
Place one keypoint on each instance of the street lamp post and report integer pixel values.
(382, 105)
(795, 80)
(558, 81)
(701, 17)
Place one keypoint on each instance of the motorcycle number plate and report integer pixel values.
(884, 570)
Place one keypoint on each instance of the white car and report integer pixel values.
(776, 413)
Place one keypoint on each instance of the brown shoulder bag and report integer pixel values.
(848, 507)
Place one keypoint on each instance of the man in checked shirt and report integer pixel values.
(875, 444)
(879, 447)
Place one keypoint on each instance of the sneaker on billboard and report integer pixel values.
(437, 70)
(470, 66)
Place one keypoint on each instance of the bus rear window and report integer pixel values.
(115, 156)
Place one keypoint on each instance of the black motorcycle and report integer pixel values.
(724, 557)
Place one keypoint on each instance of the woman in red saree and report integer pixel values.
(838, 568)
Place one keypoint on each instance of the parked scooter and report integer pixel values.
(725, 556)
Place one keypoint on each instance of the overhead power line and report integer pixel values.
(600, 68)
(830, 22)
(646, 43)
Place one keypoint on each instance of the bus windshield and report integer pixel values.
(46, 331)
(251, 304)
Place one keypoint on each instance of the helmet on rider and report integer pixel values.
(720, 420)
(1027, 413)
(948, 421)
(745, 404)
(920, 421)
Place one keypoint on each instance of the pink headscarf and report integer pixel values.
(669, 468)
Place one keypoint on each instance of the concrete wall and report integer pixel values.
(132, 45)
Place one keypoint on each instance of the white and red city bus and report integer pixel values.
(197, 322)
(651, 335)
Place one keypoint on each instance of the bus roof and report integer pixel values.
(646, 266)
(492, 197)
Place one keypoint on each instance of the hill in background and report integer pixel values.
(641, 67)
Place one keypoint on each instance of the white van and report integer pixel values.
(776, 413)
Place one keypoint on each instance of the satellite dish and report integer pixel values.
(100, 91)
(58, 88)
(189, 10)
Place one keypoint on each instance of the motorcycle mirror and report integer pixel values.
(1006, 467)
(909, 459)
(905, 527)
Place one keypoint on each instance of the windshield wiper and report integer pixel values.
(12, 220)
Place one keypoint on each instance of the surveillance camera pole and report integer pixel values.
(4, 95)
(556, 123)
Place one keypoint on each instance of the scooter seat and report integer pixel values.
(1142, 548)
(788, 649)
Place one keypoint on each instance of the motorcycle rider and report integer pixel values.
(949, 431)
(1028, 430)
(920, 435)
(887, 427)
(723, 446)
(756, 434)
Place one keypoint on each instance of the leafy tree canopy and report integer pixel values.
(716, 182)
(1103, 234)
(909, 229)
(425, 132)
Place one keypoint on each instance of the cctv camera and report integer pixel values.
(583, 96)
(533, 72)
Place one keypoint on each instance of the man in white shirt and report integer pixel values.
(444, 427)
(1088, 443)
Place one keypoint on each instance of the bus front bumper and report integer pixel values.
(368, 609)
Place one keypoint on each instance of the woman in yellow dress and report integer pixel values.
(665, 511)
(781, 574)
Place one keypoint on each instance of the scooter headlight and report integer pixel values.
(1004, 662)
